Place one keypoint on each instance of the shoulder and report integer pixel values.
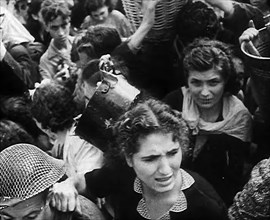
(202, 189)
(118, 14)
(49, 50)
(44, 59)
(201, 196)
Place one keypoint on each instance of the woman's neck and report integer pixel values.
(211, 114)
(160, 203)
(153, 195)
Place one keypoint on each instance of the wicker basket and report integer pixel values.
(166, 13)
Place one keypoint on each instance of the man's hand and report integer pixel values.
(64, 197)
(247, 36)
(63, 72)
(149, 5)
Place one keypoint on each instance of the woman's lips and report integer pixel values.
(163, 179)
(206, 101)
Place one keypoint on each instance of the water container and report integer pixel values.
(259, 69)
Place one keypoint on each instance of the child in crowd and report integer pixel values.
(102, 12)
(56, 61)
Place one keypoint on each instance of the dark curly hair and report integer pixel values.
(91, 73)
(18, 109)
(51, 9)
(204, 54)
(146, 117)
(34, 7)
(195, 20)
(93, 5)
(53, 106)
(13, 133)
(98, 40)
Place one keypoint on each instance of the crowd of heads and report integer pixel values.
(29, 122)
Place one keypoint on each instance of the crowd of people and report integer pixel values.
(156, 113)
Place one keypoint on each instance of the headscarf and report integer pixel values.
(12, 31)
(236, 119)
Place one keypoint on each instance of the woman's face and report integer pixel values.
(101, 14)
(157, 162)
(206, 88)
(34, 208)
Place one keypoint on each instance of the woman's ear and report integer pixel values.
(129, 161)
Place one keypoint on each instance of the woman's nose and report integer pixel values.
(164, 166)
(205, 91)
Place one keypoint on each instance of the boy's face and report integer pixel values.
(59, 29)
(101, 14)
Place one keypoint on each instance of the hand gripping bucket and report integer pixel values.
(111, 99)
(259, 69)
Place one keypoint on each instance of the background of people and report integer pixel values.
(51, 67)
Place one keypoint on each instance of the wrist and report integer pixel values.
(3, 51)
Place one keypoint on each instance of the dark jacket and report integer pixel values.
(18, 71)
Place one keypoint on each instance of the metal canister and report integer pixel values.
(112, 98)
(259, 68)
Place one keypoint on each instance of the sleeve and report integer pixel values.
(107, 181)
(202, 198)
(243, 13)
(125, 27)
(88, 158)
(18, 58)
(44, 68)
(253, 202)
(123, 51)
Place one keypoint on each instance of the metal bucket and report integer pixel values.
(259, 69)
(111, 99)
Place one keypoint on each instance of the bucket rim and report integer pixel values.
(251, 55)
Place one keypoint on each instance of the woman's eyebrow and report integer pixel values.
(150, 156)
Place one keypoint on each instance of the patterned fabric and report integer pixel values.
(253, 202)
(179, 206)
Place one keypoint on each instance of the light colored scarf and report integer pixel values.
(236, 120)
(12, 30)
